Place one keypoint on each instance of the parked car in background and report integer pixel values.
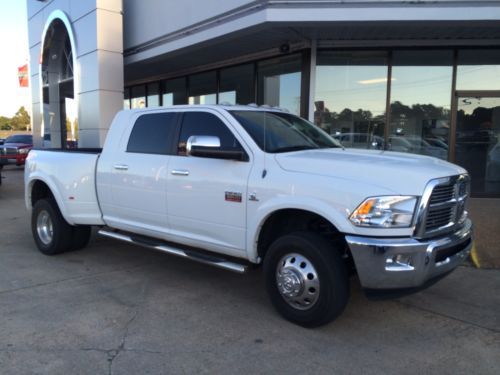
(15, 149)
(437, 142)
(417, 145)
(360, 140)
(425, 148)
(493, 165)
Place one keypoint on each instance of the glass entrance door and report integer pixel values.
(477, 146)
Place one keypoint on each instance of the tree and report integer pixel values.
(21, 119)
(5, 123)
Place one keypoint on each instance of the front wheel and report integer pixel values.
(306, 279)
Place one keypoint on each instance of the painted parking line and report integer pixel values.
(474, 257)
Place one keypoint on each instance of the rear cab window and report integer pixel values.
(153, 133)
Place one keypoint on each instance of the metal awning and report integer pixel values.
(265, 39)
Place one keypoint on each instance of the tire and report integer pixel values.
(80, 237)
(52, 234)
(306, 279)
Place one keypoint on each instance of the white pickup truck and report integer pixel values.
(233, 186)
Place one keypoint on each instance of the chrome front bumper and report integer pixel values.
(395, 263)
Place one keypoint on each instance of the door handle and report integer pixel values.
(180, 172)
(121, 167)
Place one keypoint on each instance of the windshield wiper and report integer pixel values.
(293, 148)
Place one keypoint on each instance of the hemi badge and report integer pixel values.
(232, 196)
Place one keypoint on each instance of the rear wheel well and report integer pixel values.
(288, 221)
(40, 190)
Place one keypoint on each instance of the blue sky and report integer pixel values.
(14, 47)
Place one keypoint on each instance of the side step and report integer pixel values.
(185, 253)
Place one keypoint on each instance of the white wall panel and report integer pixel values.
(35, 29)
(111, 71)
(101, 70)
(97, 108)
(35, 88)
(36, 118)
(148, 19)
(92, 138)
(112, 5)
(80, 8)
(86, 33)
(35, 58)
(110, 26)
(89, 71)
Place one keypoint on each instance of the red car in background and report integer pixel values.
(15, 149)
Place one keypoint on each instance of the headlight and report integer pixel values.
(385, 212)
(23, 150)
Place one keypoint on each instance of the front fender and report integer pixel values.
(256, 221)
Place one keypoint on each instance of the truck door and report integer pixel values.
(139, 175)
(207, 197)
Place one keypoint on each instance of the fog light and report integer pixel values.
(399, 262)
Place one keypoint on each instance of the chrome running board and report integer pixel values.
(169, 249)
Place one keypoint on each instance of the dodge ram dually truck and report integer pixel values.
(233, 186)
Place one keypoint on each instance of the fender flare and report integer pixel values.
(309, 204)
(53, 189)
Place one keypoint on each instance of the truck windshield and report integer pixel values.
(283, 132)
(19, 138)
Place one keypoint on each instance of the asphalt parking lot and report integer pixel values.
(120, 309)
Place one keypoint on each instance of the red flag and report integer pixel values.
(22, 74)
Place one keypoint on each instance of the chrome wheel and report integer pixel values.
(44, 227)
(297, 281)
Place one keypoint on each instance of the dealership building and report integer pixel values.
(410, 76)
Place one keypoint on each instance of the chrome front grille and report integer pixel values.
(443, 205)
(442, 194)
(9, 151)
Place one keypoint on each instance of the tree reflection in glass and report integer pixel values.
(350, 97)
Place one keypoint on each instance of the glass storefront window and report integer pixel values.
(126, 99)
(478, 70)
(478, 142)
(138, 97)
(71, 112)
(153, 94)
(350, 97)
(420, 102)
(174, 91)
(237, 85)
(279, 82)
(203, 88)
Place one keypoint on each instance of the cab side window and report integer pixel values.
(152, 134)
(202, 123)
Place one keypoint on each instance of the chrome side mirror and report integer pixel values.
(201, 141)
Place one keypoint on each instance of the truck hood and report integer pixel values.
(398, 172)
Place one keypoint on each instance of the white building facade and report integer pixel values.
(410, 76)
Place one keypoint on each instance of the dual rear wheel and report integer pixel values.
(52, 234)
